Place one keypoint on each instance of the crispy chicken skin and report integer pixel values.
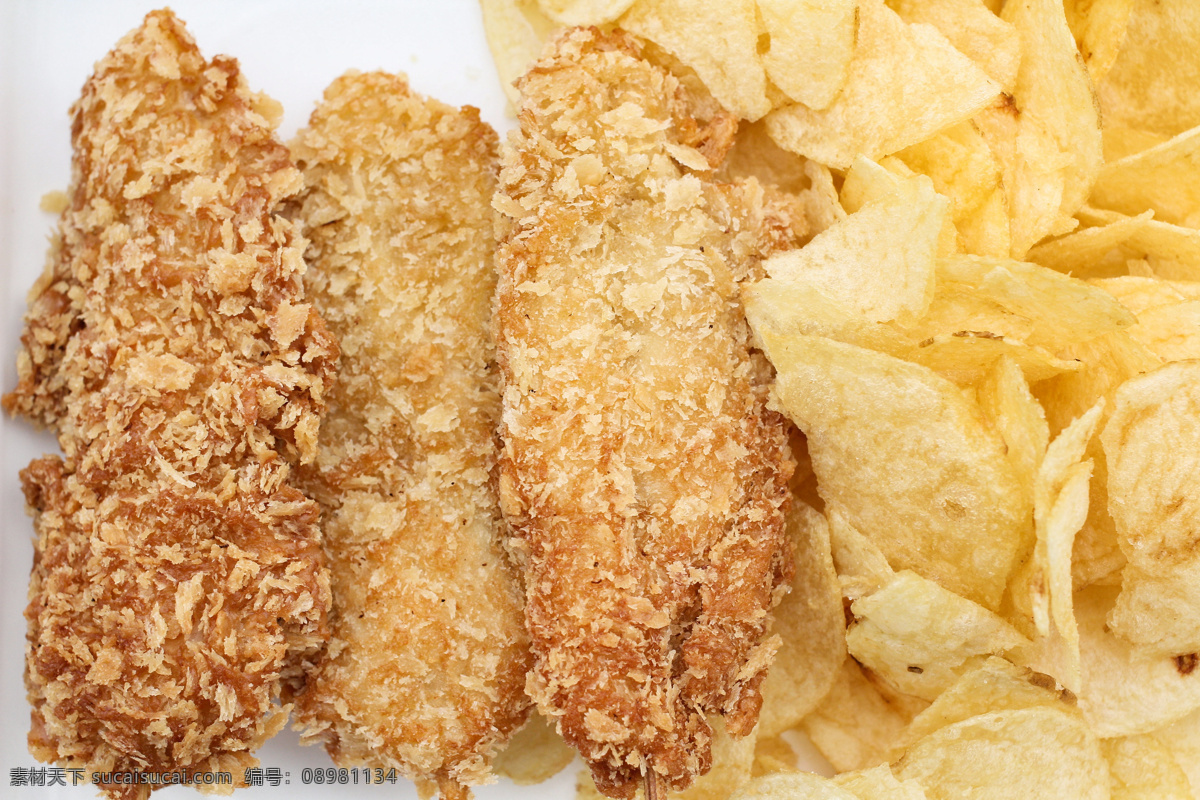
(426, 668)
(643, 474)
(178, 586)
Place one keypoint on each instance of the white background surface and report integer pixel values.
(291, 50)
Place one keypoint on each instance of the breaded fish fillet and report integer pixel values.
(645, 478)
(178, 585)
(426, 668)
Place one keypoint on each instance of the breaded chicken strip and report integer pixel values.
(178, 585)
(426, 668)
(642, 471)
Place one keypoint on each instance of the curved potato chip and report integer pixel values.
(1028, 752)
(974, 31)
(812, 42)
(953, 512)
(534, 754)
(1053, 85)
(1142, 768)
(1155, 503)
(717, 40)
(854, 727)
(1152, 82)
(583, 12)
(1160, 178)
(1143, 294)
(1099, 29)
(1182, 739)
(920, 638)
(1094, 252)
(905, 83)
(878, 783)
(792, 786)
(812, 624)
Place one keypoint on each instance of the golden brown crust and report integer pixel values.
(645, 478)
(178, 585)
(426, 668)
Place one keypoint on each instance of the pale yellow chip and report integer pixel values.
(878, 783)
(1012, 410)
(1155, 503)
(994, 685)
(1099, 30)
(1140, 295)
(906, 82)
(718, 41)
(854, 727)
(1142, 768)
(878, 262)
(1053, 85)
(974, 30)
(1092, 252)
(1106, 362)
(862, 568)
(1152, 83)
(812, 624)
(583, 12)
(811, 44)
(772, 754)
(1125, 691)
(1182, 739)
(1028, 752)
(516, 31)
(955, 513)
(965, 170)
(1161, 179)
(534, 754)
(792, 786)
(1168, 314)
(1171, 252)
(919, 637)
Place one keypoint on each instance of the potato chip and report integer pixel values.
(1053, 86)
(1027, 752)
(516, 31)
(905, 83)
(1182, 740)
(1171, 251)
(583, 12)
(812, 42)
(792, 786)
(718, 41)
(1012, 411)
(964, 169)
(1099, 30)
(1124, 691)
(1142, 768)
(1152, 82)
(1140, 295)
(1168, 314)
(772, 754)
(812, 623)
(920, 638)
(974, 30)
(1161, 178)
(862, 568)
(1094, 252)
(1155, 503)
(534, 754)
(878, 783)
(953, 513)
(854, 727)
(994, 685)
(1106, 362)
(878, 261)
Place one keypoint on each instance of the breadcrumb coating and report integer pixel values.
(426, 668)
(642, 471)
(178, 587)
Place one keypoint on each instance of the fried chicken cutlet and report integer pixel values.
(426, 668)
(178, 586)
(644, 476)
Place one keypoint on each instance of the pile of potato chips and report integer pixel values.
(992, 348)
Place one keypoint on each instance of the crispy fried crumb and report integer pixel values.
(178, 586)
(642, 471)
(426, 668)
